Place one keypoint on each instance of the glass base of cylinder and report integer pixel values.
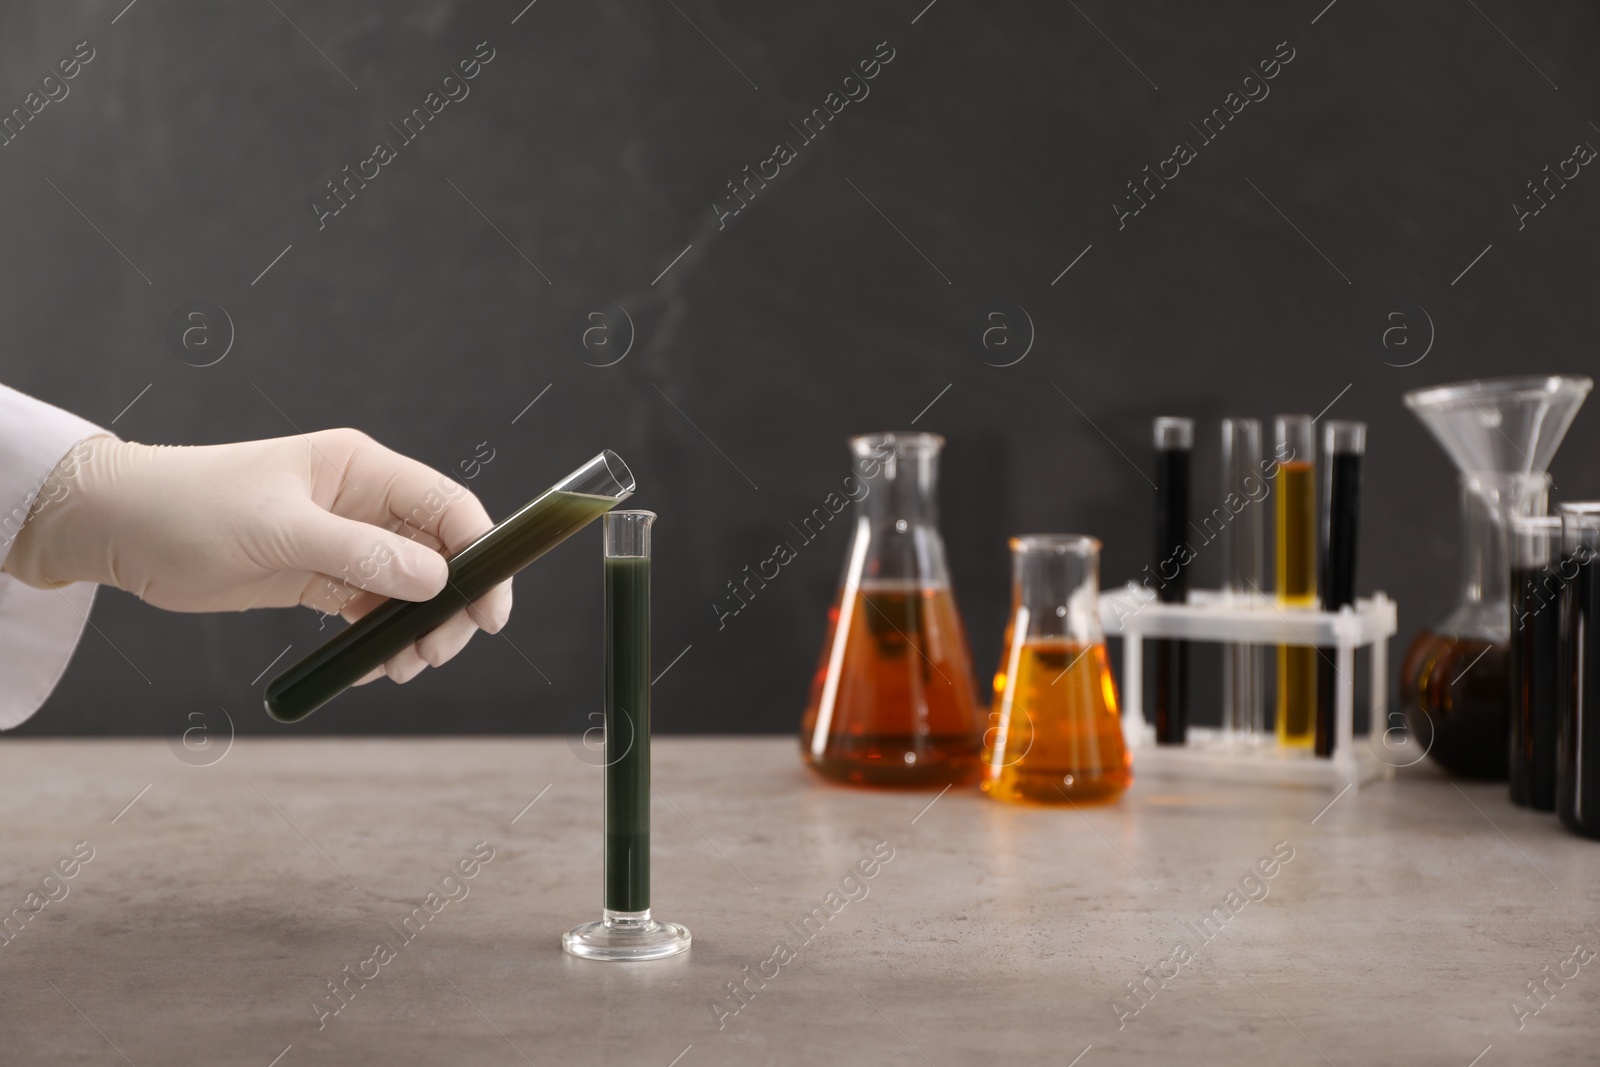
(626, 935)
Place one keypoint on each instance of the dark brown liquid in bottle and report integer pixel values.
(1534, 685)
(898, 708)
(1455, 697)
(1578, 773)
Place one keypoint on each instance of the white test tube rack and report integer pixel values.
(1133, 613)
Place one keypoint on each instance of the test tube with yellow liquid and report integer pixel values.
(1295, 490)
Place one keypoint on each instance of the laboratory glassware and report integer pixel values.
(1296, 572)
(893, 701)
(1055, 734)
(1533, 663)
(1502, 434)
(538, 526)
(626, 930)
(1174, 442)
(1578, 757)
(1343, 445)
(1243, 692)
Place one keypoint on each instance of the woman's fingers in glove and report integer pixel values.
(429, 513)
(451, 636)
(356, 557)
(375, 484)
(405, 664)
(488, 613)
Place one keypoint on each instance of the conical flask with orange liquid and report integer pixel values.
(893, 702)
(1055, 735)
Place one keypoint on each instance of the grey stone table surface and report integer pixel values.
(167, 913)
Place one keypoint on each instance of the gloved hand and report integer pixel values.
(332, 520)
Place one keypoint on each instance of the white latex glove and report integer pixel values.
(331, 520)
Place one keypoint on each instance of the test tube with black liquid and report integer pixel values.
(626, 930)
(1343, 445)
(1174, 441)
(1533, 664)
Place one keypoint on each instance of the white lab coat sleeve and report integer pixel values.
(39, 628)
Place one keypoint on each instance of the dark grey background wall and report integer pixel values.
(986, 160)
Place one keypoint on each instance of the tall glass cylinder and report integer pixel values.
(1243, 574)
(626, 930)
(1296, 572)
(1578, 762)
(627, 696)
(1055, 734)
(1533, 665)
(893, 702)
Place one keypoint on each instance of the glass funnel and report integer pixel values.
(1055, 735)
(1502, 434)
(893, 701)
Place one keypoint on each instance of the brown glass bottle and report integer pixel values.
(1454, 693)
(1501, 433)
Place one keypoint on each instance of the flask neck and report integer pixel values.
(904, 486)
(899, 517)
(1489, 501)
(1055, 590)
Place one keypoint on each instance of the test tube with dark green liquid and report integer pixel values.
(537, 527)
(626, 931)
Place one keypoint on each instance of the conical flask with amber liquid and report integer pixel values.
(1055, 735)
(893, 702)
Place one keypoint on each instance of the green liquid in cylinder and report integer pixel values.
(627, 770)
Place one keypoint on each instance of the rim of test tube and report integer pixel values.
(1174, 431)
(1581, 515)
(1056, 544)
(1298, 431)
(1534, 539)
(1344, 437)
(619, 471)
(1580, 528)
(1242, 436)
(902, 441)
